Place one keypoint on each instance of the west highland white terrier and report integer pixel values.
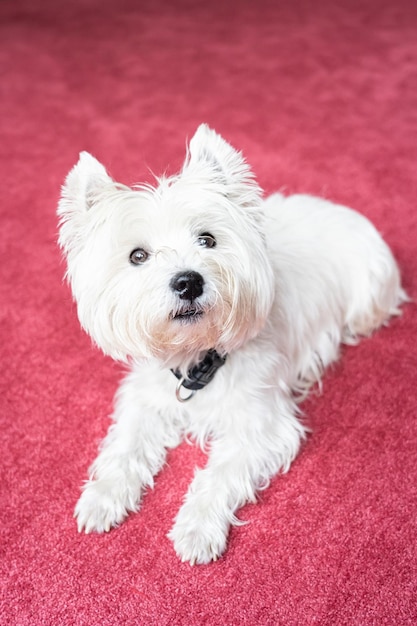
(227, 307)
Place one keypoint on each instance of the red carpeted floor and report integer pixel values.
(322, 98)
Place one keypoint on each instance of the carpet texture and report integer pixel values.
(321, 97)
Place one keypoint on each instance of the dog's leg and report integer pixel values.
(240, 462)
(131, 454)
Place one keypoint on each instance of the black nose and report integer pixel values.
(188, 285)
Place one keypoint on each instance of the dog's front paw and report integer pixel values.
(101, 506)
(198, 538)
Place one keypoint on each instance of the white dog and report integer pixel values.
(227, 308)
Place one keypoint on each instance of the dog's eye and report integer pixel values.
(138, 256)
(206, 240)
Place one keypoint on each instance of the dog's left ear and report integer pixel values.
(211, 156)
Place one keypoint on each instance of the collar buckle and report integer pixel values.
(200, 375)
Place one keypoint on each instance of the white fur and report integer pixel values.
(289, 280)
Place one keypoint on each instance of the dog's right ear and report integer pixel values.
(84, 184)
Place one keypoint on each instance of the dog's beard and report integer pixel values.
(180, 340)
(188, 331)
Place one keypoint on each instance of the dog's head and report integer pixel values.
(172, 270)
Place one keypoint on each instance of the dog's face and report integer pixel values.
(172, 270)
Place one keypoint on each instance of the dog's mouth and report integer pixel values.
(188, 315)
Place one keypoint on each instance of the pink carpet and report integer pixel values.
(322, 98)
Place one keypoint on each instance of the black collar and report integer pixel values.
(200, 375)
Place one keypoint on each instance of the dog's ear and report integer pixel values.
(83, 185)
(84, 182)
(209, 154)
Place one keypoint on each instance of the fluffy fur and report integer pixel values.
(286, 281)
